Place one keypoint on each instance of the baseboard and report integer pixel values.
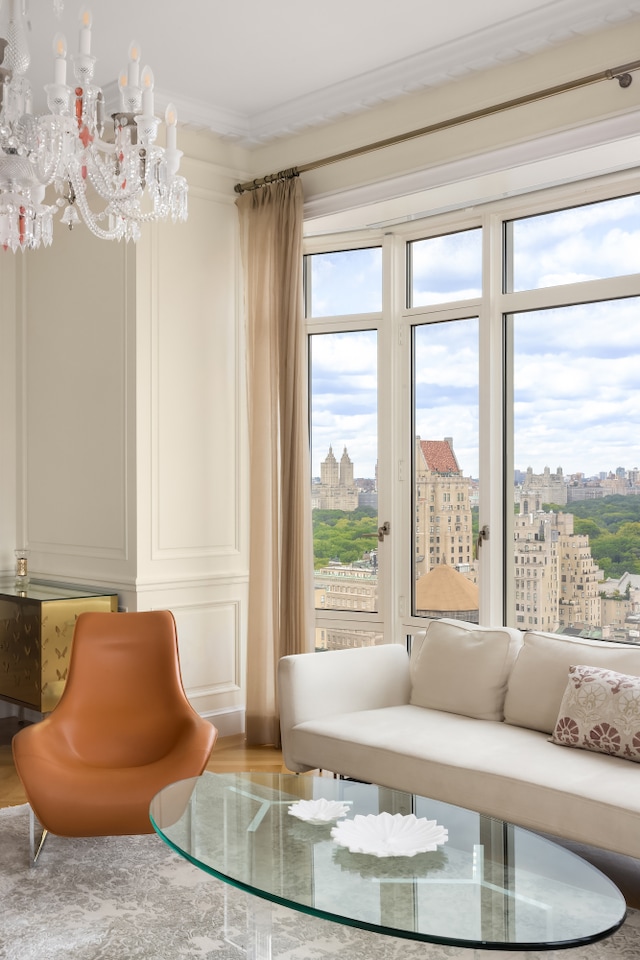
(228, 723)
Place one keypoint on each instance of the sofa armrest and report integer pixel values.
(313, 686)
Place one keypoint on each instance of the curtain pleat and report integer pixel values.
(280, 609)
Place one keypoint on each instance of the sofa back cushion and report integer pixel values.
(462, 668)
(539, 677)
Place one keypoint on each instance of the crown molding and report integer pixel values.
(196, 114)
(513, 39)
(554, 23)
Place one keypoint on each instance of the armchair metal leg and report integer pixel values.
(33, 853)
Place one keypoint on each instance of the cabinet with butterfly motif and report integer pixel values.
(36, 629)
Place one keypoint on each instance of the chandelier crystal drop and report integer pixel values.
(108, 173)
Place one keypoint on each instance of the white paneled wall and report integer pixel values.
(196, 386)
(191, 447)
(74, 319)
(125, 423)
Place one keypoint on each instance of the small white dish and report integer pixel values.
(319, 811)
(389, 835)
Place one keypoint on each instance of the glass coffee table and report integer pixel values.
(489, 885)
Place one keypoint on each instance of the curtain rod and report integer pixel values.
(622, 74)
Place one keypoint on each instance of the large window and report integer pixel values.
(576, 423)
(476, 376)
(343, 396)
(445, 469)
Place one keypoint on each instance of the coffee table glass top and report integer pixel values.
(489, 885)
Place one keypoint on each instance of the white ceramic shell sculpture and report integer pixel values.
(319, 811)
(389, 835)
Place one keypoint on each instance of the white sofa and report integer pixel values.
(467, 719)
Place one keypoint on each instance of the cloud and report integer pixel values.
(345, 282)
(583, 243)
(357, 433)
(577, 397)
(446, 268)
(576, 369)
(344, 382)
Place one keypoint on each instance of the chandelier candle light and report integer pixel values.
(117, 165)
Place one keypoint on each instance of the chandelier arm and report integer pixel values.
(103, 180)
(116, 232)
(46, 174)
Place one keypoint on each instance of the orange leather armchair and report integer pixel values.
(122, 730)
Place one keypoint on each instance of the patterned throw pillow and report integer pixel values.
(600, 711)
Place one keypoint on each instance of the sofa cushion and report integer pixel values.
(600, 711)
(539, 677)
(462, 668)
(494, 768)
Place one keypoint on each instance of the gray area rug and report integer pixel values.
(132, 898)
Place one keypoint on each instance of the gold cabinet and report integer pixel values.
(36, 629)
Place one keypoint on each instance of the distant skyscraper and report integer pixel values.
(336, 490)
(443, 529)
(536, 571)
(539, 488)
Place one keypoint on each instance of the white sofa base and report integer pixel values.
(500, 770)
(348, 712)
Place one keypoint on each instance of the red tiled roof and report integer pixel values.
(439, 456)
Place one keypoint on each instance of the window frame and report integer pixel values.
(378, 621)
(395, 389)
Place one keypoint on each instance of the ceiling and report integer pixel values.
(257, 71)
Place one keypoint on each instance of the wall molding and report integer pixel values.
(578, 153)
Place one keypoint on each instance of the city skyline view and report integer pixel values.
(608, 473)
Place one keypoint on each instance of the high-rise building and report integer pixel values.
(539, 488)
(556, 578)
(443, 526)
(336, 490)
(536, 571)
(579, 603)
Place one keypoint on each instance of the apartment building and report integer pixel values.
(557, 581)
(580, 577)
(536, 585)
(540, 488)
(336, 489)
(443, 526)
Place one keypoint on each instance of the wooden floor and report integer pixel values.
(232, 753)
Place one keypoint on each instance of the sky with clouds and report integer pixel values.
(576, 369)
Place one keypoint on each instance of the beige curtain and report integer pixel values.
(281, 616)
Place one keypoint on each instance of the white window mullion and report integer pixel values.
(391, 487)
(492, 429)
(588, 291)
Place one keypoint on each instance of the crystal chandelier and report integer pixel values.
(109, 173)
